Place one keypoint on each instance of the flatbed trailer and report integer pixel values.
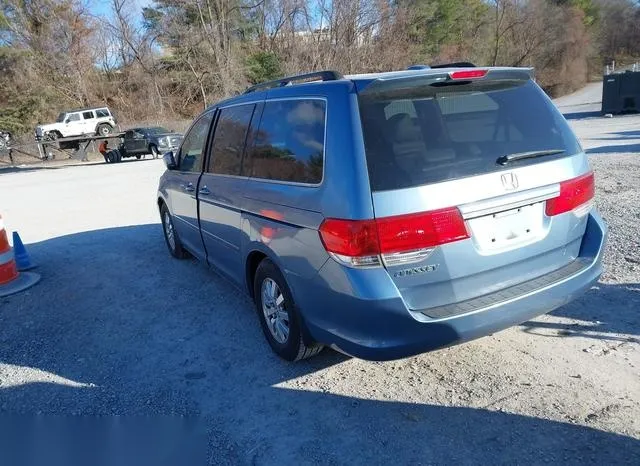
(78, 144)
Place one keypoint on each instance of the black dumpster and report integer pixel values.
(621, 92)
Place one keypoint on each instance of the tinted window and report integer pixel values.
(156, 130)
(103, 112)
(229, 139)
(74, 117)
(193, 144)
(428, 134)
(289, 143)
(87, 115)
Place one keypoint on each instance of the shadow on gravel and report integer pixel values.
(581, 115)
(621, 148)
(23, 168)
(607, 312)
(118, 327)
(620, 136)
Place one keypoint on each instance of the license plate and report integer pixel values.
(507, 229)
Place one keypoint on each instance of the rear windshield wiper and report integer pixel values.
(505, 159)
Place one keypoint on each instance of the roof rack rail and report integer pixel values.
(327, 75)
(458, 64)
(418, 67)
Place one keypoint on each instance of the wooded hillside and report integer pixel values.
(175, 57)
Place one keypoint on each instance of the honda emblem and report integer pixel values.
(509, 181)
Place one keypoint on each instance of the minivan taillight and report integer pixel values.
(394, 240)
(575, 195)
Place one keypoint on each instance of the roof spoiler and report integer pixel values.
(458, 64)
(394, 83)
(327, 75)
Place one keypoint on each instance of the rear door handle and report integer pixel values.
(189, 187)
(204, 191)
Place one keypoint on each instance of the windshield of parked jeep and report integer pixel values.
(60, 118)
(432, 133)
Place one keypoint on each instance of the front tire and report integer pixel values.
(279, 317)
(171, 235)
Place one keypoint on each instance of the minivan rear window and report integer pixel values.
(428, 134)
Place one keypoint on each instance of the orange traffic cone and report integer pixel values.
(11, 281)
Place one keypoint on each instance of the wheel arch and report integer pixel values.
(257, 252)
(98, 125)
(251, 266)
(161, 201)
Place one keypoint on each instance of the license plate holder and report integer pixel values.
(509, 228)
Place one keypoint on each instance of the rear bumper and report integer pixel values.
(364, 316)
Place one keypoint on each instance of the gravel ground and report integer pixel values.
(117, 327)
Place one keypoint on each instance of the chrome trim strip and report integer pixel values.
(509, 201)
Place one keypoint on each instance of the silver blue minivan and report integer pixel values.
(389, 214)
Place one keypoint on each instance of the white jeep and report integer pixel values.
(98, 121)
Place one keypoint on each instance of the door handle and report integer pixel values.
(204, 191)
(189, 187)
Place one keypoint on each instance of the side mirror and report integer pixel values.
(170, 161)
(66, 122)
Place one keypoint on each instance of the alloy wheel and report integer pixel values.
(275, 313)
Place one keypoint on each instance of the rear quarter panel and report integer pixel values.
(281, 219)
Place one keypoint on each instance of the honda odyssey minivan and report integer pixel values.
(389, 214)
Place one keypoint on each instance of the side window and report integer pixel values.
(87, 115)
(128, 135)
(289, 143)
(228, 141)
(102, 113)
(193, 145)
(73, 117)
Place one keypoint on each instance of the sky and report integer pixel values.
(103, 7)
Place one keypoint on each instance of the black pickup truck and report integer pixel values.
(138, 142)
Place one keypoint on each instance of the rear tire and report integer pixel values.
(104, 130)
(279, 318)
(171, 235)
